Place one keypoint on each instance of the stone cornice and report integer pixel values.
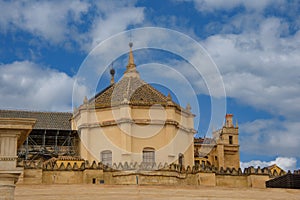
(23, 125)
(137, 121)
(17, 123)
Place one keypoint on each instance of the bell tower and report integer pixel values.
(229, 138)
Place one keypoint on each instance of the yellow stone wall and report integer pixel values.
(32, 176)
(224, 153)
(62, 177)
(160, 177)
(231, 181)
(167, 130)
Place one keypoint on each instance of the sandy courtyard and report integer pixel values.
(87, 192)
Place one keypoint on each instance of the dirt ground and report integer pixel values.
(87, 192)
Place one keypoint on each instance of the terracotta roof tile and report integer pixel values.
(45, 120)
(135, 90)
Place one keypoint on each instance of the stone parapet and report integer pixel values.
(141, 173)
(67, 166)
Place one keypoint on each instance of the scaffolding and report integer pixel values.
(45, 144)
(51, 136)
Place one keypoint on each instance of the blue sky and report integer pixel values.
(255, 45)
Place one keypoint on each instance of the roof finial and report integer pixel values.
(169, 99)
(131, 64)
(131, 67)
(85, 100)
(188, 107)
(112, 73)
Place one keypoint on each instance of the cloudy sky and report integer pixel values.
(255, 45)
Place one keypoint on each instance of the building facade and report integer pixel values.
(223, 149)
(130, 121)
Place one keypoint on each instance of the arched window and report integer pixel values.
(148, 155)
(106, 157)
(181, 159)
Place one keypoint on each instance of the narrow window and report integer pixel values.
(230, 139)
(181, 159)
(106, 157)
(148, 155)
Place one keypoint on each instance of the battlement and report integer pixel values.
(78, 171)
(118, 167)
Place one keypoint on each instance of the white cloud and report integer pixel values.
(26, 85)
(116, 18)
(270, 137)
(260, 67)
(46, 19)
(213, 5)
(62, 22)
(258, 57)
(286, 163)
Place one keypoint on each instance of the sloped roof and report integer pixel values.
(131, 89)
(274, 166)
(204, 141)
(45, 120)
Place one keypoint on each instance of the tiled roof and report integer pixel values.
(130, 89)
(135, 90)
(45, 120)
(204, 141)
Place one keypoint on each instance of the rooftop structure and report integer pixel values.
(51, 136)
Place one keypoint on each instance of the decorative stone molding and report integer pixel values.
(13, 132)
(8, 158)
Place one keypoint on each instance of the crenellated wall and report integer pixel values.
(134, 173)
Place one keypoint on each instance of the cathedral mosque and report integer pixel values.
(128, 133)
(135, 123)
(129, 121)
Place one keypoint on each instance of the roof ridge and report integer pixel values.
(102, 91)
(156, 91)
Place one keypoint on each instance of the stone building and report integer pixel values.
(222, 150)
(131, 121)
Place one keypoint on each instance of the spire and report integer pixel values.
(131, 59)
(131, 67)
